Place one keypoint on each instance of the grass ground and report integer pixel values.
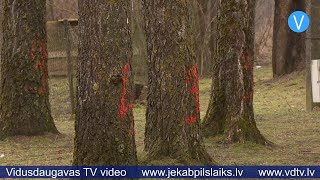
(279, 111)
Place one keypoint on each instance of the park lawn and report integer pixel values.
(279, 111)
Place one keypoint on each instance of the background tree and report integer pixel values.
(263, 32)
(173, 120)
(140, 58)
(288, 53)
(104, 118)
(24, 105)
(230, 109)
(204, 13)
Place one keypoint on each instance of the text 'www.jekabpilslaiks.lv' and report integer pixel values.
(192, 173)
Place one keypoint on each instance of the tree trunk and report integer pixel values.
(173, 113)
(288, 51)
(104, 117)
(24, 106)
(230, 109)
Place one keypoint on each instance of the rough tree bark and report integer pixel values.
(104, 117)
(230, 109)
(288, 52)
(173, 114)
(24, 105)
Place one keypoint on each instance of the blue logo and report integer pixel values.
(298, 21)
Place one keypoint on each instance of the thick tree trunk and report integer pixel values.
(104, 117)
(24, 105)
(288, 51)
(173, 114)
(230, 109)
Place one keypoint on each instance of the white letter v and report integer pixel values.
(301, 20)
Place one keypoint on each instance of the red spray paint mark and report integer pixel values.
(40, 55)
(194, 91)
(123, 107)
(246, 56)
